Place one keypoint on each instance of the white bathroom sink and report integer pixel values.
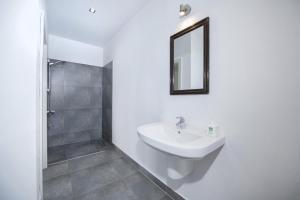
(189, 143)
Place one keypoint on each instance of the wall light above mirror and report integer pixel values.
(184, 10)
(189, 60)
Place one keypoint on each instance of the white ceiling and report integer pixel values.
(71, 18)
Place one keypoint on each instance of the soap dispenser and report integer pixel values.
(212, 129)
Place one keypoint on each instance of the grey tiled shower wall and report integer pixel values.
(107, 102)
(76, 97)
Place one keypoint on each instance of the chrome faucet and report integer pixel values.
(180, 124)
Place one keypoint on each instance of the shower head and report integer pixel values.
(51, 63)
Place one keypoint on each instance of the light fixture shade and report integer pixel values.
(185, 9)
(92, 10)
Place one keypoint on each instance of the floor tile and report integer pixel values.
(69, 151)
(104, 175)
(143, 188)
(122, 168)
(58, 188)
(88, 180)
(113, 191)
(93, 160)
(56, 155)
(80, 150)
(84, 148)
(55, 171)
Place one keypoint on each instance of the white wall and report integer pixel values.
(20, 42)
(73, 51)
(254, 96)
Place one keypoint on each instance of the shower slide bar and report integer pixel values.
(50, 64)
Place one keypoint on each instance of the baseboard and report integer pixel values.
(174, 195)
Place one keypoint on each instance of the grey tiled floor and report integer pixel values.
(64, 152)
(105, 175)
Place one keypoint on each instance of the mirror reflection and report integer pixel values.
(188, 61)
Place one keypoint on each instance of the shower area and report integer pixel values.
(79, 109)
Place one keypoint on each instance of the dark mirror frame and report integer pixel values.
(205, 89)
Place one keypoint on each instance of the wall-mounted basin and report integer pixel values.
(189, 143)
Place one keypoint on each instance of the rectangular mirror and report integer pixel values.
(189, 60)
